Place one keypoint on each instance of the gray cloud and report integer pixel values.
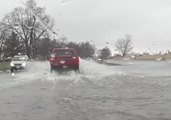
(148, 21)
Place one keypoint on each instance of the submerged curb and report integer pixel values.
(4, 71)
(109, 63)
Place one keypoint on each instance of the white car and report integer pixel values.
(19, 62)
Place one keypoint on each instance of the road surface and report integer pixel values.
(99, 92)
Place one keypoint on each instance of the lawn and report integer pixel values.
(4, 66)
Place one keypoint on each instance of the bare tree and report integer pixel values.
(84, 49)
(30, 23)
(44, 48)
(13, 45)
(4, 33)
(124, 45)
(105, 53)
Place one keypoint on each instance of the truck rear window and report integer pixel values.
(64, 52)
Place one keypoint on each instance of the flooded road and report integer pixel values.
(134, 91)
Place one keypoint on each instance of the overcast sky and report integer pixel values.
(101, 21)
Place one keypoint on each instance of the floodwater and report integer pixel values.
(133, 91)
(146, 68)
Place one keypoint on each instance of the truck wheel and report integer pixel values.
(77, 70)
(12, 70)
(51, 69)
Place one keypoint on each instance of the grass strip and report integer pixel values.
(4, 66)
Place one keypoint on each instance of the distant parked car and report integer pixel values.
(20, 62)
(64, 58)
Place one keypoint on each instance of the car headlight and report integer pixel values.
(23, 64)
(12, 64)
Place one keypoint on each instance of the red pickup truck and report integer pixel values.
(64, 58)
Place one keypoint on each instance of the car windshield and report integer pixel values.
(19, 58)
(85, 59)
(64, 52)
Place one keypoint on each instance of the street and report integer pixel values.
(99, 92)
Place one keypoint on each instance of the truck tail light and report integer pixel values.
(52, 58)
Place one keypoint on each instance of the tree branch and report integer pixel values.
(15, 30)
(22, 26)
(40, 34)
